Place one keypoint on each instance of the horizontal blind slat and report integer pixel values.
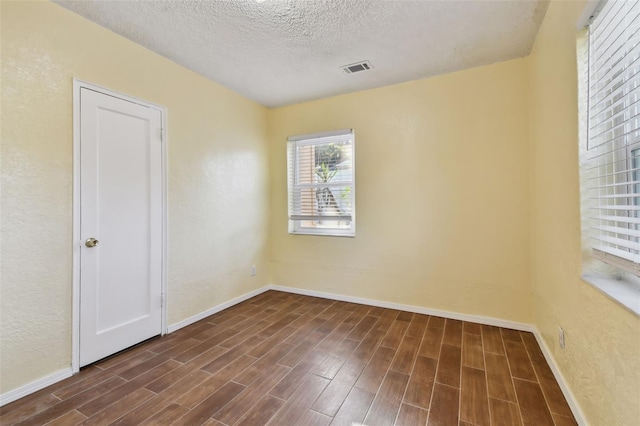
(617, 230)
(613, 185)
(616, 207)
(620, 243)
(616, 219)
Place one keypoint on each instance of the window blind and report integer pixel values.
(613, 146)
(321, 183)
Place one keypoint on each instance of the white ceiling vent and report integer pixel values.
(357, 67)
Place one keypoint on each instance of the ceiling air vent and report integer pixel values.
(357, 67)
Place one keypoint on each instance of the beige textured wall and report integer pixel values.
(217, 180)
(442, 195)
(501, 139)
(601, 361)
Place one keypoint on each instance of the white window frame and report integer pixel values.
(295, 222)
(616, 277)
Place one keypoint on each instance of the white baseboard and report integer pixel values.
(215, 309)
(34, 386)
(568, 395)
(409, 308)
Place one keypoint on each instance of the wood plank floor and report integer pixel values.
(286, 359)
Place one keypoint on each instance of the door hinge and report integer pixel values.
(162, 300)
(162, 135)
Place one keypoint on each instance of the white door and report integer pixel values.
(120, 224)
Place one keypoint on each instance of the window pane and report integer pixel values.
(321, 190)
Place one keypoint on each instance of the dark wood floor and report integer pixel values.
(285, 359)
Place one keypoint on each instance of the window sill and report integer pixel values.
(324, 234)
(625, 291)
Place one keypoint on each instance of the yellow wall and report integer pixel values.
(467, 197)
(601, 361)
(217, 179)
(442, 195)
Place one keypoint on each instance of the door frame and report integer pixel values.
(77, 243)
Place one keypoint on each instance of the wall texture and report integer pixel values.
(601, 361)
(442, 195)
(467, 197)
(218, 181)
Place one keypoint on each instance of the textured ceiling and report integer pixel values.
(279, 52)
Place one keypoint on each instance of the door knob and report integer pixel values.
(91, 242)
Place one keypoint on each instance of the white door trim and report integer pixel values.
(77, 85)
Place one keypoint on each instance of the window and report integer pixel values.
(321, 183)
(611, 155)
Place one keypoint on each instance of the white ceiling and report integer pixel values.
(280, 52)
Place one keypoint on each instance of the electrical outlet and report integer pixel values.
(561, 337)
(253, 270)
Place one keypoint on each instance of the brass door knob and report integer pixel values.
(91, 242)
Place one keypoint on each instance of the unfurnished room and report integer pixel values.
(320, 212)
